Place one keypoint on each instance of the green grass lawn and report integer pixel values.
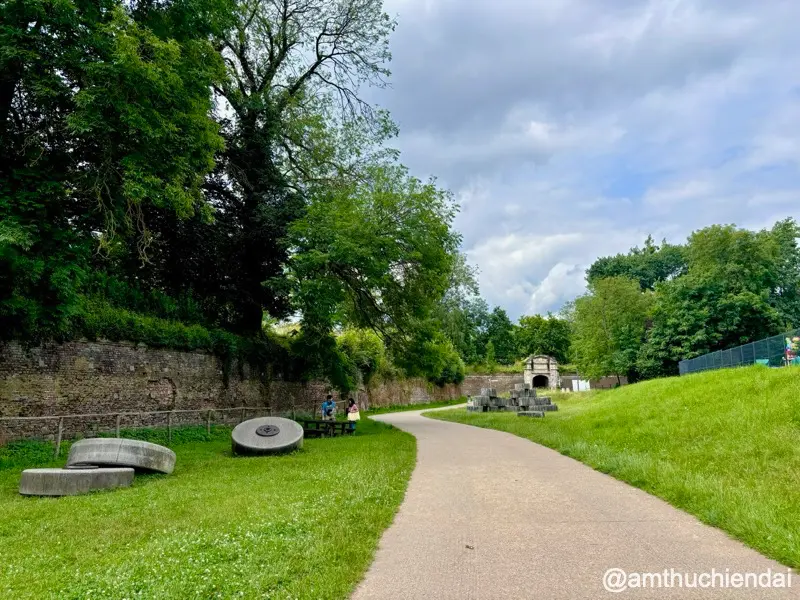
(724, 446)
(303, 525)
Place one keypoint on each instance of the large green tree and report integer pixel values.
(462, 315)
(648, 265)
(376, 253)
(609, 327)
(500, 332)
(290, 111)
(101, 120)
(544, 335)
(738, 288)
(785, 296)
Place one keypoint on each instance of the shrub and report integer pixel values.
(364, 351)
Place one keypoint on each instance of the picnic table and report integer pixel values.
(322, 428)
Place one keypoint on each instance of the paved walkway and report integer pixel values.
(492, 516)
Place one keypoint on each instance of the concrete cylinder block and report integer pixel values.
(72, 482)
(267, 435)
(115, 452)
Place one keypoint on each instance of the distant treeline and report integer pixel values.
(654, 306)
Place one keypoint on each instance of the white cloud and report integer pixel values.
(571, 129)
(561, 283)
(673, 195)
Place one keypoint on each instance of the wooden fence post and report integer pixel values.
(58, 437)
(119, 418)
(242, 414)
(169, 427)
(208, 422)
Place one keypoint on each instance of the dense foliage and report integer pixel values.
(609, 326)
(185, 173)
(648, 310)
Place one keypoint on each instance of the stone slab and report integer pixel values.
(530, 413)
(116, 452)
(72, 482)
(267, 435)
(481, 400)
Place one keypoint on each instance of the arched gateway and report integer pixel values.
(542, 372)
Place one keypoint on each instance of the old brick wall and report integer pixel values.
(419, 391)
(91, 378)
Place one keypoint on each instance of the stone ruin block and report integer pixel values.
(482, 400)
(72, 482)
(489, 392)
(474, 404)
(531, 413)
(120, 452)
(522, 386)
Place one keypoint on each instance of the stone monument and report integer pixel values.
(541, 371)
(98, 464)
(116, 452)
(71, 482)
(267, 435)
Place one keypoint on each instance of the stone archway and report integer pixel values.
(541, 381)
(541, 371)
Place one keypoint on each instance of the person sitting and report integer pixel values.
(329, 409)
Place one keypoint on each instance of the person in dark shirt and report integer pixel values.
(329, 409)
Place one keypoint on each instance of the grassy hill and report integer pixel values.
(723, 445)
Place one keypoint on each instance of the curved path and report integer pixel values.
(490, 515)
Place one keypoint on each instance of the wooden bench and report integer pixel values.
(317, 428)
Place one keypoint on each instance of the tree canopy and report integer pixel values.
(214, 162)
(731, 286)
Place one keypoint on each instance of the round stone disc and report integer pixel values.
(267, 435)
(114, 452)
(71, 482)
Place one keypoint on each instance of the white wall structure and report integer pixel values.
(580, 385)
(542, 372)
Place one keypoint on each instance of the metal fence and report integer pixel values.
(776, 351)
(60, 427)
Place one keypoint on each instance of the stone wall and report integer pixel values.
(101, 378)
(419, 391)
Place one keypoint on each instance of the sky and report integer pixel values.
(572, 129)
